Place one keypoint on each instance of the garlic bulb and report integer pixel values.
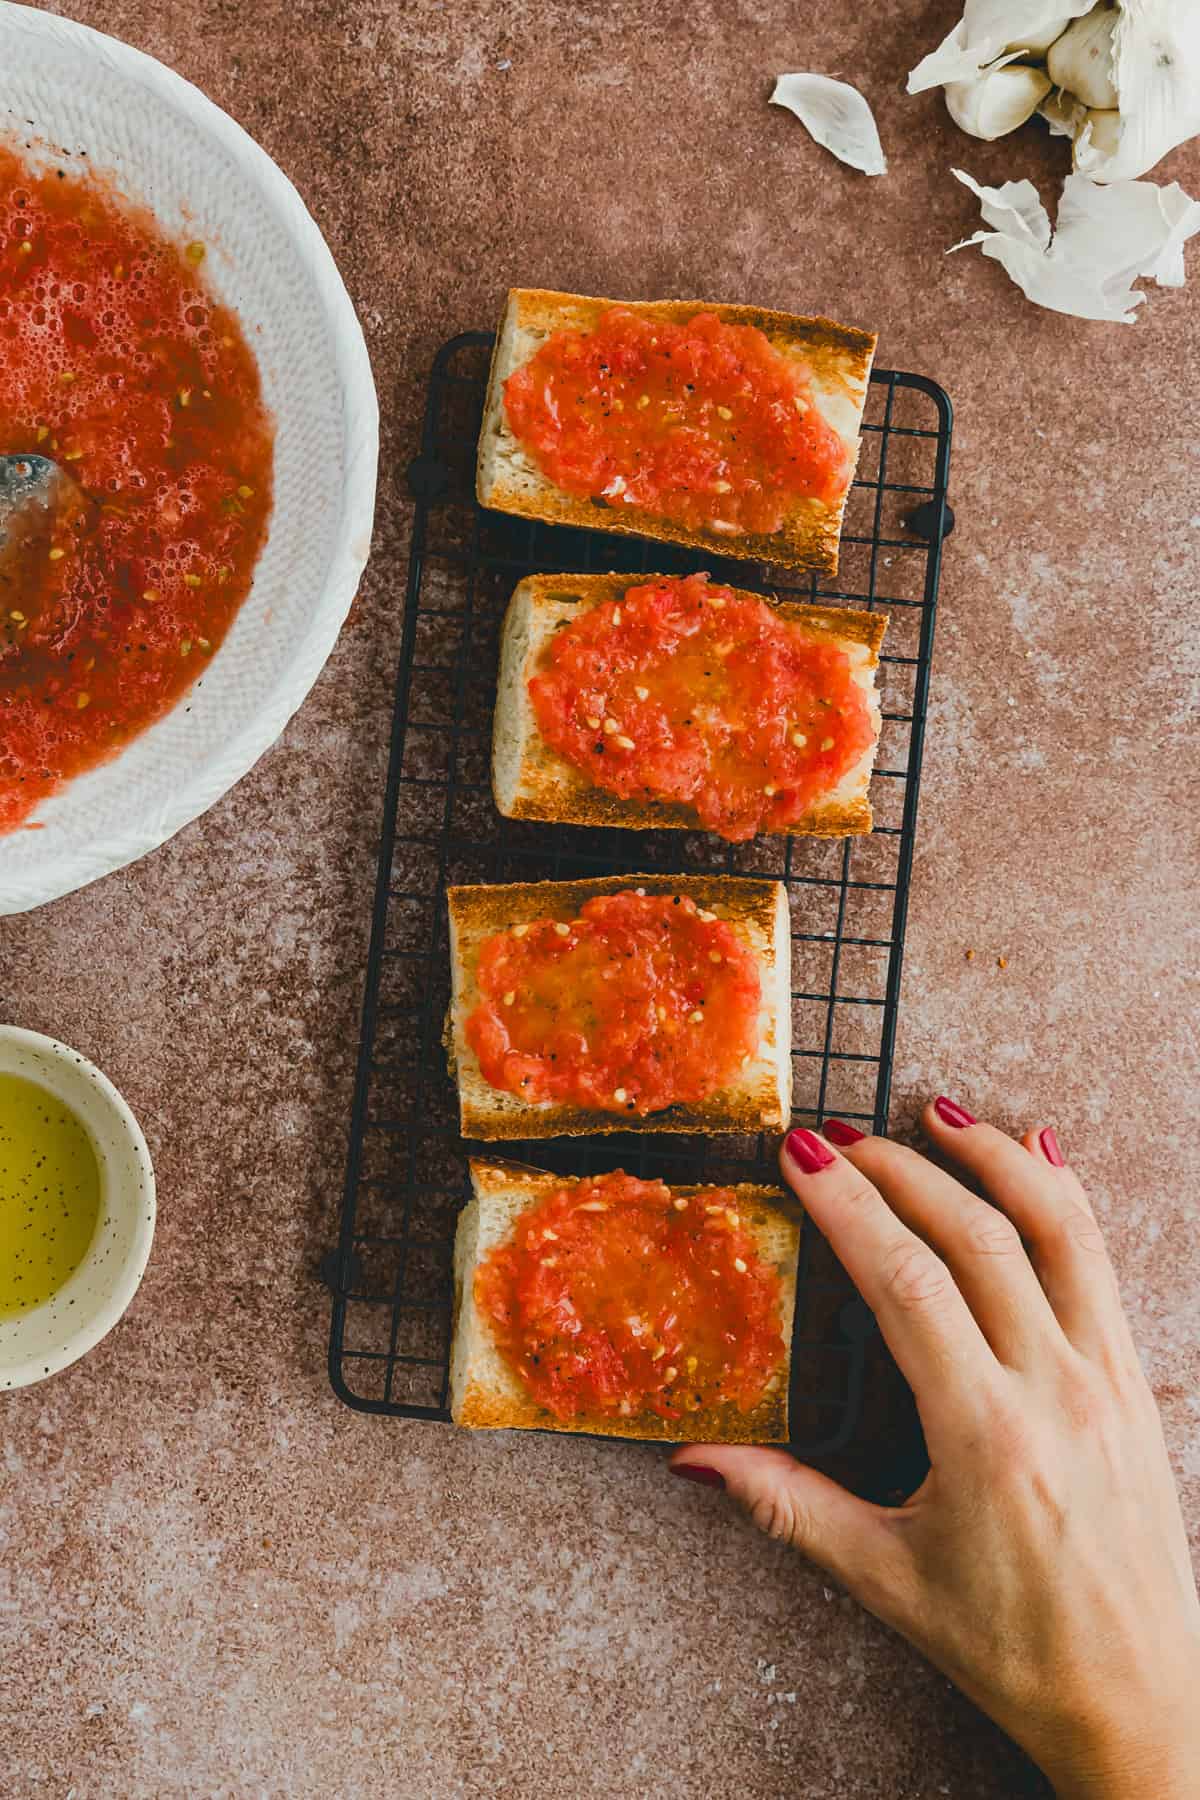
(1156, 51)
(1081, 61)
(997, 101)
(1126, 73)
(1122, 81)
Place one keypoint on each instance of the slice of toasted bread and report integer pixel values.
(758, 911)
(532, 781)
(836, 359)
(487, 1395)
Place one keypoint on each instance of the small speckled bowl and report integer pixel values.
(86, 1307)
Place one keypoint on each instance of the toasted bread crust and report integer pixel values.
(556, 791)
(839, 357)
(834, 350)
(756, 909)
(484, 1399)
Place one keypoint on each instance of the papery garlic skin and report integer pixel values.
(1082, 61)
(998, 101)
(1104, 239)
(837, 116)
(1013, 210)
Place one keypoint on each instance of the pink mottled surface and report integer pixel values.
(213, 1579)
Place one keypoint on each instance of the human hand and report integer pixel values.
(1043, 1564)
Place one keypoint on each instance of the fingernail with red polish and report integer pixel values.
(697, 1472)
(838, 1132)
(1050, 1150)
(806, 1149)
(951, 1113)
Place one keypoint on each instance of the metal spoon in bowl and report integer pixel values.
(43, 514)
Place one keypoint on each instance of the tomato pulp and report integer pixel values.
(641, 1002)
(703, 423)
(118, 363)
(614, 1296)
(684, 692)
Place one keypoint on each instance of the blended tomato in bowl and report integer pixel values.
(702, 422)
(614, 1296)
(118, 363)
(684, 691)
(640, 1003)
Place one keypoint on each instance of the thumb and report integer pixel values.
(799, 1506)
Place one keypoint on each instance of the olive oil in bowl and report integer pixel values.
(49, 1194)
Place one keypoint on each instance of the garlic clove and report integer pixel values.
(1037, 39)
(1081, 61)
(992, 28)
(1064, 116)
(998, 101)
(837, 116)
(1098, 136)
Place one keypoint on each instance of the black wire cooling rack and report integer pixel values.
(406, 1175)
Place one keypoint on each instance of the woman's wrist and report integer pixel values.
(1146, 1760)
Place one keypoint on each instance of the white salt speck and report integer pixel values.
(505, 63)
(773, 1725)
(94, 1710)
(828, 1593)
(714, 1687)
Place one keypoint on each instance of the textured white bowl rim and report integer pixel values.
(75, 866)
(97, 1325)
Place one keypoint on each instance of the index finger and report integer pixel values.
(926, 1323)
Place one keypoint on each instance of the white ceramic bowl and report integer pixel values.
(57, 1333)
(64, 87)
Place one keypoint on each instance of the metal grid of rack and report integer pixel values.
(406, 1175)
